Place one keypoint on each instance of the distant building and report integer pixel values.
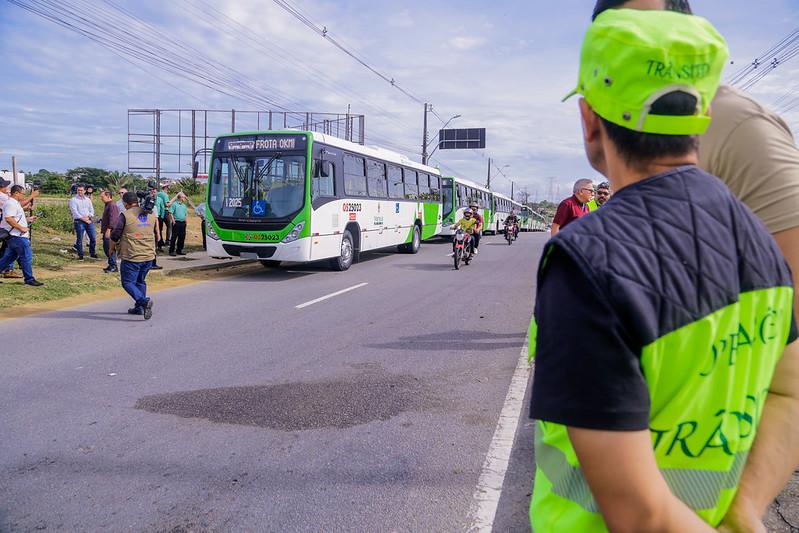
(8, 175)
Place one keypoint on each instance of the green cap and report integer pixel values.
(632, 57)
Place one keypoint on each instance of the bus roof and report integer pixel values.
(373, 151)
(469, 183)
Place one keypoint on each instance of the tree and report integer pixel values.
(88, 176)
(116, 180)
(55, 184)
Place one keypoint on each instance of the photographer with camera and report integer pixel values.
(135, 236)
(14, 227)
(5, 186)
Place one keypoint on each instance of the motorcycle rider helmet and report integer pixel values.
(468, 212)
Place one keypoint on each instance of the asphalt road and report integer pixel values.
(235, 410)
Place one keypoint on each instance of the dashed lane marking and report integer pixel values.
(331, 295)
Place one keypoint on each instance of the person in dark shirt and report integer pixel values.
(107, 222)
(573, 207)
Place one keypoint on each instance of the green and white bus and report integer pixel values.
(531, 220)
(457, 193)
(502, 208)
(303, 196)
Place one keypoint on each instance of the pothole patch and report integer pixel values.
(299, 406)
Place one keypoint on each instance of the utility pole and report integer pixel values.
(511, 190)
(427, 108)
(488, 183)
(14, 169)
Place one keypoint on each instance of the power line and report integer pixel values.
(325, 33)
(782, 52)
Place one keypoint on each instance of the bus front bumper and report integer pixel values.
(299, 250)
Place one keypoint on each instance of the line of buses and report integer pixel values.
(303, 196)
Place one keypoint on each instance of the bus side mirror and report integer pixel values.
(195, 169)
(324, 169)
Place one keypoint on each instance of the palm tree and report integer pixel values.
(116, 179)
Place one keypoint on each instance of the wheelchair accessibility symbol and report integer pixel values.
(259, 208)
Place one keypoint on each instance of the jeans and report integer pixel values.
(10, 268)
(476, 240)
(80, 228)
(178, 236)
(133, 274)
(112, 259)
(18, 248)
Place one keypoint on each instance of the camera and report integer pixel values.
(146, 201)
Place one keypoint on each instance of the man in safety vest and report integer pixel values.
(666, 386)
(135, 236)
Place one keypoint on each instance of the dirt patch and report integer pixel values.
(301, 405)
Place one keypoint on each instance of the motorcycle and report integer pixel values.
(464, 251)
(510, 233)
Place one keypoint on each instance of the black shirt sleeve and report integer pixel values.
(587, 374)
(116, 231)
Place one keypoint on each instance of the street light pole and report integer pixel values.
(427, 107)
(426, 156)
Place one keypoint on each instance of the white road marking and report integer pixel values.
(331, 295)
(492, 476)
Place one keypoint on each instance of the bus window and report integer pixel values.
(463, 198)
(424, 186)
(354, 176)
(395, 182)
(322, 186)
(411, 187)
(435, 189)
(376, 176)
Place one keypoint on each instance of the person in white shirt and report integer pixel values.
(5, 186)
(82, 210)
(19, 244)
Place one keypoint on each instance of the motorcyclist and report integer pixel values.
(513, 222)
(479, 226)
(468, 224)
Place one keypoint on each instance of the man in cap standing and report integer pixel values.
(677, 393)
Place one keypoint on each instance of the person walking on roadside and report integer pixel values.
(671, 409)
(5, 191)
(573, 207)
(82, 210)
(177, 214)
(18, 243)
(109, 219)
(134, 235)
(164, 220)
(200, 212)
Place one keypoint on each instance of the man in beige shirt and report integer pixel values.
(751, 149)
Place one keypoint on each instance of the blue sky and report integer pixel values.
(502, 65)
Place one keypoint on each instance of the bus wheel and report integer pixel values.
(416, 240)
(269, 263)
(344, 260)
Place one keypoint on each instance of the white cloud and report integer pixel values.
(466, 43)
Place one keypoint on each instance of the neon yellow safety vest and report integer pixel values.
(716, 337)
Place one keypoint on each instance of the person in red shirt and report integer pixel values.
(574, 206)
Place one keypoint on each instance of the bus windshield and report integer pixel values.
(258, 187)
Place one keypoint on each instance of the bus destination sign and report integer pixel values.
(263, 143)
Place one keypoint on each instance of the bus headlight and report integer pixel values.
(294, 234)
(209, 231)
